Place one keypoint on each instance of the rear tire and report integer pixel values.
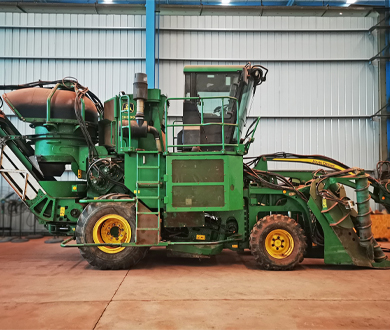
(277, 242)
(89, 230)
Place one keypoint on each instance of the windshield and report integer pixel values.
(214, 85)
(245, 103)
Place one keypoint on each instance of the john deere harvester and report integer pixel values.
(145, 181)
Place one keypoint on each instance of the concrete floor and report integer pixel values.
(48, 287)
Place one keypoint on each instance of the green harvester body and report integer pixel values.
(185, 174)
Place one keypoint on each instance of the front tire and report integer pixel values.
(109, 223)
(277, 242)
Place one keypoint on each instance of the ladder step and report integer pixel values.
(148, 166)
(148, 213)
(148, 228)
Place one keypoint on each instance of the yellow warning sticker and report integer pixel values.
(79, 174)
(200, 237)
(125, 108)
(62, 211)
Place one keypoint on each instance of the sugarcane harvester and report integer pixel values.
(145, 181)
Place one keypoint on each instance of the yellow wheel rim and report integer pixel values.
(279, 244)
(111, 228)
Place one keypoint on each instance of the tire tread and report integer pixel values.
(259, 252)
(90, 253)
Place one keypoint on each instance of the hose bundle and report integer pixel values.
(70, 83)
(67, 82)
(265, 179)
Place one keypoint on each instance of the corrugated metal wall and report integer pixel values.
(311, 75)
(102, 51)
(314, 70)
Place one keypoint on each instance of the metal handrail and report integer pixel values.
(48, 105)
(222, 123)
(127, 111)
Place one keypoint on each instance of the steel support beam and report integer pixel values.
(316, 117)
(151, 42)
(386, 54)
(151, 73)
(170, 29)
(383, 153)
(79, 28)
(264, 60)
(70, 58)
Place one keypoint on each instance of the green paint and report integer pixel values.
(217, 194)
(124, 200)
(204, 193)
(335, 252)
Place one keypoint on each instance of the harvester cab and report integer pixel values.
(146, 180)
(218, 97)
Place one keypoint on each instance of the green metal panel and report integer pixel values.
(204, 196)
(334, 252)
(64, 188)
(200, 170)
(58, 145)
(210, 193)
(184, 219)
(49, 209)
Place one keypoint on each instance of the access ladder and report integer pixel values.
(148, 222)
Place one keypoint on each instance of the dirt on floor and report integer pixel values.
(44, 286)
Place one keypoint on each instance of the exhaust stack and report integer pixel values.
(140, 93)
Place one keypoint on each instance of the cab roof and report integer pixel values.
(213, 68)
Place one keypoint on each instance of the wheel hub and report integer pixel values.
(279, 244)
(111, 228)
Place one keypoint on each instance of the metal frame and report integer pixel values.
(151, 42)
(65, 243)
(387, 45)
(212, 59)
(19, 187)
(140, 28)
(23, 194)
(222, 123)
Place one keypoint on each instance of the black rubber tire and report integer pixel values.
(124, 259)
(257, 242)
